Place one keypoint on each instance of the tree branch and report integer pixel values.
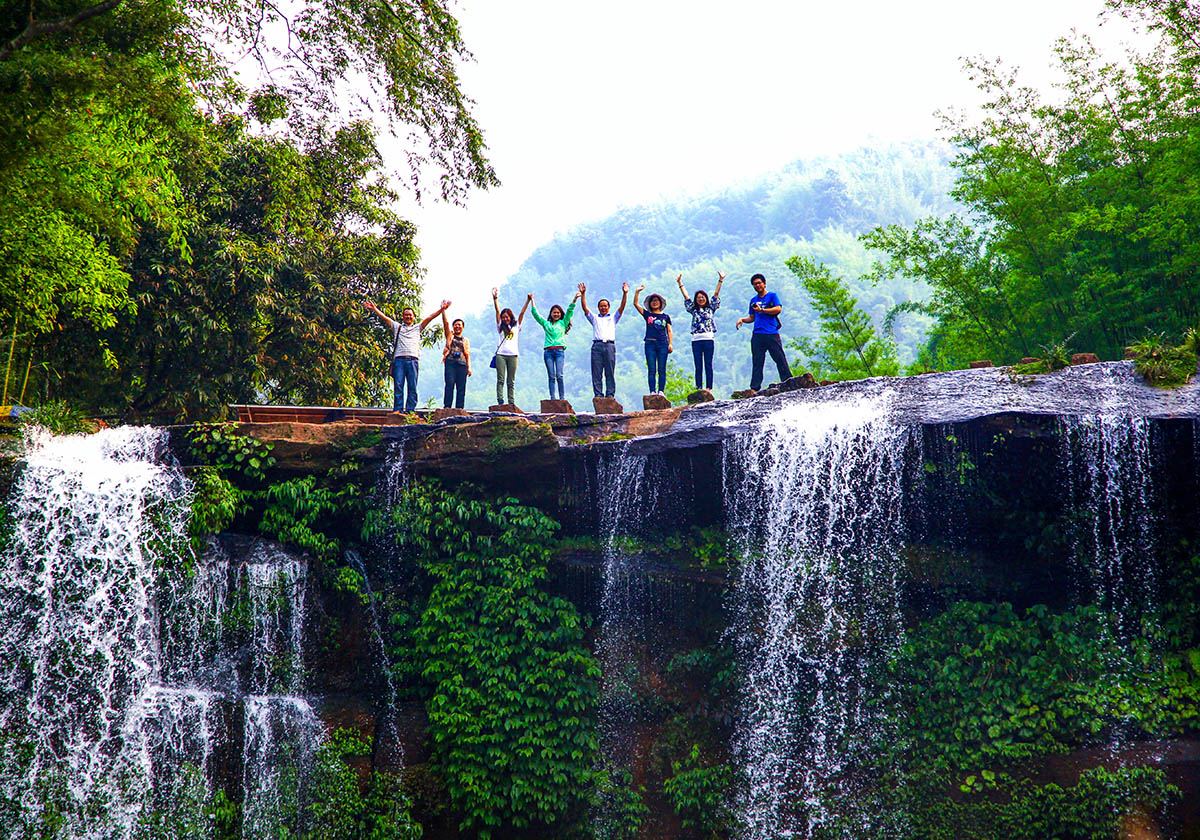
(38, 30)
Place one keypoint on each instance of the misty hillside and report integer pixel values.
(812, 207)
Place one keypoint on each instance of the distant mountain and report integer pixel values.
(813, 207)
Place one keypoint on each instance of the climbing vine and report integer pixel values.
(511, 691)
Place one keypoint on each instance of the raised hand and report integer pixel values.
(582, 288)
(720, 276)
(679, 280)
(624, 287)
(641, 288)
(445, 304)
(529, 297)
(495, 293)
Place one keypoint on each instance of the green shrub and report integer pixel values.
(340, 809)
(59, 417)
(1090, 810)
(215, 502)
(1163, 365)
(1054, 357)
(511, 689)
(620, 808)
(700, 796)
(981, 685)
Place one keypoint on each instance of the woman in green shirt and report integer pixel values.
(557, 325)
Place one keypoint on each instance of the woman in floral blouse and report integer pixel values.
(704, 329)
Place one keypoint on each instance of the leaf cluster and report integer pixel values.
(511, 688)
(700, 794)
(981, 684)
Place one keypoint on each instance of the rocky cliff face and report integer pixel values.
(1073, 488)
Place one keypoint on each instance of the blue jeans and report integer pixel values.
(404, 372)
(702, 354)
(656, 362)
(554, 356)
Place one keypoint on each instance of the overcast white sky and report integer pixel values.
(590, 106)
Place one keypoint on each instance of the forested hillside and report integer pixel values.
(817, 208)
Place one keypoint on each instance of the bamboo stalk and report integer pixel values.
(28, 365)
(8, 370)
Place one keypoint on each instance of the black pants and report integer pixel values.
(604, 366)
(456, 380)
(760, 345)
(702, 354)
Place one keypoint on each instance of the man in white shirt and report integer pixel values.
(604, 338)
(406, 352)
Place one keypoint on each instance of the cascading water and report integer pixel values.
(1110, 487)
(118, 670)
(281, 740)
(78, 637)
(815, 495)
(620, 478)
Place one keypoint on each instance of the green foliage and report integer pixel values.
(217, 445)
(620, 808)
(1090, 810)
(215, 502)
(679, 382)
(60, 417)
(340, 809)
(1054, 357)
(700, 795)
(299, 512)
(1162, 365)
(511, 688)
(848, 346)
(1080, 212)
(981, 684)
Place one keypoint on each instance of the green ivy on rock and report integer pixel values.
(511, 688)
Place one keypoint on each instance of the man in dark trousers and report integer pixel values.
(764, 314)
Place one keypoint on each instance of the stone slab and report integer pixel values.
(509, 408)
(699, 396)
(557, 407)
(655, 402)
(607, 405)
(442, 413)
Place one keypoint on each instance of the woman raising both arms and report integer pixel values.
(704, 328)
(660, 340)
(505, 360)
(556, 325)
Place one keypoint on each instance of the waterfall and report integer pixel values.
(815, 496)
(122, 654)
(79, 652)
(281, 739)
(620, 477)
(1110, 489)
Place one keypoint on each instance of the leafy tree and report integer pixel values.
(285, 245)
(1081, 213)
(848, 346)
(116, 120)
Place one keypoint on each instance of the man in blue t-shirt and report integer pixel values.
(764, 314)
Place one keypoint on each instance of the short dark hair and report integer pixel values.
(758, 277)
(603, 300)
(409, 309)
(458, 321)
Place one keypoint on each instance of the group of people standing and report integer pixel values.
(659, 340)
